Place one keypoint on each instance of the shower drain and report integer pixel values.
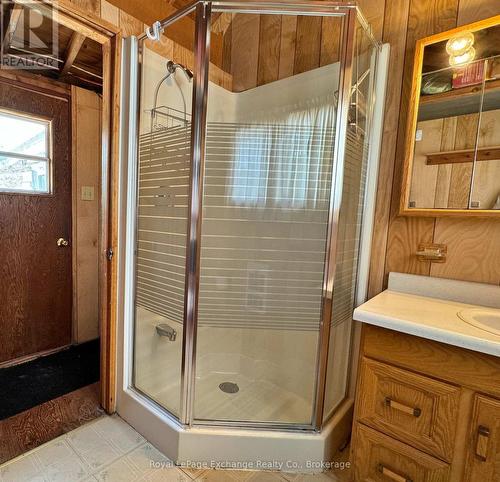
(229, 387)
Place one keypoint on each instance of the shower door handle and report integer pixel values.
(167, 331)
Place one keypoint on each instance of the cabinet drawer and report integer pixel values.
(412, 408)
(379, 458)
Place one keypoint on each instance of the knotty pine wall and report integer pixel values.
(473, 244)
(260, 49)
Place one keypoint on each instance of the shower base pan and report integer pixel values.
(235, 397)
(220, 447)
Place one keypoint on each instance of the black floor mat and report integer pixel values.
(32, 383)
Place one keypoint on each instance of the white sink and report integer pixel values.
(487, 319)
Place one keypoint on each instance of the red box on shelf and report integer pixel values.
(471, 74)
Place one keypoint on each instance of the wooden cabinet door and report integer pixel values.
(483, 458)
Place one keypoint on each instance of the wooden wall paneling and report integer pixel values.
(461, 173)
(473, 10)
(473, 249)
(405, 233)
(227, 43)
(245, 51)
(216, 48)
(308, 47)
(331, 30)
(150, 11)
(396, 19)
(484, 190)
(90, 6)
(86, 133)
(288, 43)
(130, 25)
(404, 236)
(269, 49)
(164, 47)
(184, 56)
(423, 190)
(374, 13)
(473, 244)
(400, 242)
(444, 170)
(110, 13)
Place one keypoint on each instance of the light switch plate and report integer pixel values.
(87, 193)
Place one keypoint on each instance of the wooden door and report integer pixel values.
(36, 273)
(483, 459)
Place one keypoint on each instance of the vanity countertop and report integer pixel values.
(426, 317)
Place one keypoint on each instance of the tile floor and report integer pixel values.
(108, 449)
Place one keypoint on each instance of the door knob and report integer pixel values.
(62, 243)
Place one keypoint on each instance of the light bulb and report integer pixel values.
(465, 58)
(460, 44)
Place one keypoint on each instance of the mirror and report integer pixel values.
(452, 160)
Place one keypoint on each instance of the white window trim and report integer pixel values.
(48, 159)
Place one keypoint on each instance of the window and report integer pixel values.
(284, 162)
(25, 163)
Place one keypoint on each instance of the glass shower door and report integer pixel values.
(267, 189)
(162, 218)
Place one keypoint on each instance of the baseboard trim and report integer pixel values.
(33, 356)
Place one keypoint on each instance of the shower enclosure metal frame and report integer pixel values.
(203, 10)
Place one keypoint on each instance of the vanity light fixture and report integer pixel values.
(459, 44)
(467, 57)
(460, 49)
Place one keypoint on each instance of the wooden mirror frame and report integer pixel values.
(409, 150)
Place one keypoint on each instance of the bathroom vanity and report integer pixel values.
(428, 394)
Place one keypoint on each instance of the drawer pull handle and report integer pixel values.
(392, 475)
(416, 412)
(483, 438)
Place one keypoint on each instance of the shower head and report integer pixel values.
(172, 67)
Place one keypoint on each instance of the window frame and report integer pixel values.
(47, 159)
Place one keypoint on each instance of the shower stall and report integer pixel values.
(248, 176)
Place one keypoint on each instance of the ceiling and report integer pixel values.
(182, 31)
(69, 56)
